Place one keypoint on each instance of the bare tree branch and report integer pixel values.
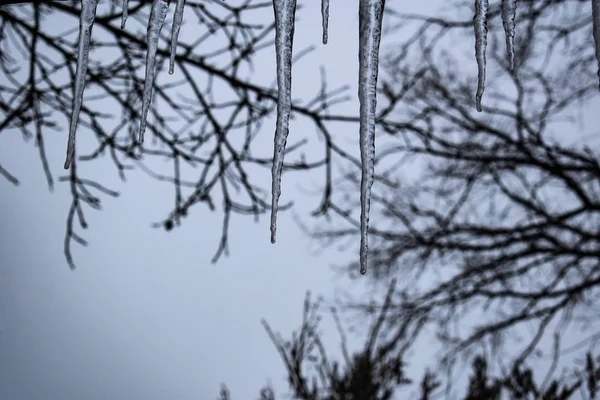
(498, 221)
(208, 119)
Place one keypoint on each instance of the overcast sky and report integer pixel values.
(146, 315)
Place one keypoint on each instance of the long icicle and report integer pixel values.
(125, 11)
(325, 19)
(596, 31)
(177, 20)
(370, 19)
(509, 8)
(158, 13)
(480, 25)
(86, 21)
(285, 15)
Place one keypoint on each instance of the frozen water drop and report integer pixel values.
(370, 21)
(480, 25)
(285, 15)
(125, 10)
(86, 21)
(158, 13)
(325, 19)
(177, 20)
(509, 8)
(596, 31)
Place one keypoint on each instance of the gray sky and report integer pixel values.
(146, 315)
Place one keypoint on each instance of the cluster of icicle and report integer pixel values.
(158, 14)
(370, 23)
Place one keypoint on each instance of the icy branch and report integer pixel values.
(285, 14)
(86, 21)
(370, 21)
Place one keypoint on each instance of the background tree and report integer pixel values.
(377, 370)
(495, 226)
(211, 110)
(502, 215)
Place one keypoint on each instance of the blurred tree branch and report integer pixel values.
(377, 370)
(496, 224)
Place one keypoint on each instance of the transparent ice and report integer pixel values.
(325, 19)
(285, 14)
(125, 7)
(596, 31)
(86, 21)
(158, 13)
(480, 25)
(177, 20)
(370, 23)
(509, 8)
(370, 18)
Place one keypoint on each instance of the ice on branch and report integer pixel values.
(370, 20)
(509, 8)
(158, 13)
(596, 31)
(325, 19)
(177, 20)
(86, 21)
(125, 7)
(480, 25)
(370, 24)
(285, 17)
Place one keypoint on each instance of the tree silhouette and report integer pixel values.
(499, 221)
(210, 111)
(495, 226)
(377, 370)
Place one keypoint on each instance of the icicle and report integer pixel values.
(325, 19)
(177, 20)
(158, 13)
(480, 24)
(370, 20)
(596, 30)
(285, 14)
(86, 21)
(509, 8)
(125, 7)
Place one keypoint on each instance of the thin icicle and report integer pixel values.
(158, 13)
(480, 25)
(285, 15)
(370, 19)
(86, 21)
(596, 31)
(325, 19)
(509, 8)
(125, 10)
(177, 20)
